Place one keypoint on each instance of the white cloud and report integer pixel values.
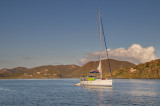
(135, 54)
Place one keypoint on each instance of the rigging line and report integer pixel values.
(106, 48)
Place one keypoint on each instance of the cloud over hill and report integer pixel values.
(135, 54)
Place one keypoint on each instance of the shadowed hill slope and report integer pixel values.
(85, 69)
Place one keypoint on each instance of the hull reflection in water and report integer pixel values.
(100, 93)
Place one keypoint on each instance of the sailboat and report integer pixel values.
(92, 80)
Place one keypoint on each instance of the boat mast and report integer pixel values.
(100, 40)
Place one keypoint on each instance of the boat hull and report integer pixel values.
(97, 82)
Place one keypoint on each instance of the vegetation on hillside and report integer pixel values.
(148, 70)
(88, 67)
(50, 71)
(120, 69)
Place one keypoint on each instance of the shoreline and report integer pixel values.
(70, 78)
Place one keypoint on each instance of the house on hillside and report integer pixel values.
(38, 72)
(132, 70)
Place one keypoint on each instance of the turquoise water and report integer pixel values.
(62, 92)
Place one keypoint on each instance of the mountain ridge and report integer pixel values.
(120, 69)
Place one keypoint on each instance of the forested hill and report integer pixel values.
(115, 64)
(120, 69)
(59, 71)
(49, 71)
(148, 70)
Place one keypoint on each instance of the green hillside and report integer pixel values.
(120, 69)
(50, 71)
(148, 70)
(88, 67)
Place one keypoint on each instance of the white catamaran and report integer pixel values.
(91, 80)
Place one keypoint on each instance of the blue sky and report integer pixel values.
(51, 32)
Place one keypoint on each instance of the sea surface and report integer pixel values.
(62, 92)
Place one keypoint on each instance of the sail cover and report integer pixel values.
(94, 71)
(99, 67)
